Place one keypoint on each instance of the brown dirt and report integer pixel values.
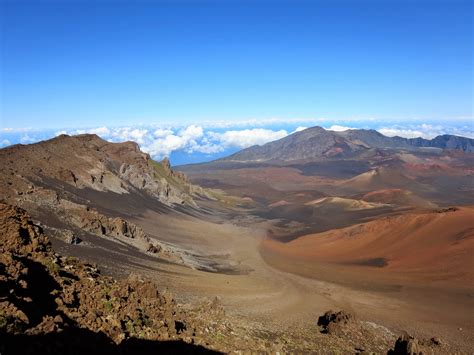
(55, 304)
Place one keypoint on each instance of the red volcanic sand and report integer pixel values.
(433, 168)
(428, 245)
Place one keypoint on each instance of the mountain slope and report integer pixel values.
(83, 187)
(51, 304)
(382, 178)
(316, 143)
(398, 197)
(88, 162)
(436, 243)
(310, 143)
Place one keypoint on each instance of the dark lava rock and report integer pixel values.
(72, 239)
(153, 249)
(406, 345)
(448, 209)
(332, 321)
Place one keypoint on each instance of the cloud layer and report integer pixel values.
(161, 142)
(221, 138)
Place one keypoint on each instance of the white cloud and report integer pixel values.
(100, 131)
(406, 133)
(465, 131)
(129, 134)
(248, 137)
(423, 130)
(27, 139)
(4, 143)
(338, 128)
(192, 132)
(103, 132)
(173, 142)
(194, 138)
(167, 142)
(160, 132)
(162, 141)
(211, 138)
(138, 134)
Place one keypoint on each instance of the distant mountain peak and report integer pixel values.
(316, 143)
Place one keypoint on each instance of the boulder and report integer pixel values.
(332, 321)
(153, 248)
(406, 345)
(71, 238)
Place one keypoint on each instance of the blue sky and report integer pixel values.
(92, 64)
(82, 63)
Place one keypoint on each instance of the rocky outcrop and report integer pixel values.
(20, 236)
(170, 172)
(71, 238)
(332, 322)
(153, 248)
(54, 304)
(92, 221)
(85, 184)
(80, 217)
(89, 162)
(407, 344)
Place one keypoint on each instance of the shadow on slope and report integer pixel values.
(77, 340)
(69, 338)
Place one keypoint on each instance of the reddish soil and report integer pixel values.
(423, 260)
(420, 245)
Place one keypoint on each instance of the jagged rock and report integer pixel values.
(20, 234)
(331, 321)
(49, 293)
(406, 345)
(166, 164)
(153, 248)
(96, 223)
(170, 172)
(71, 238)
(87, 161)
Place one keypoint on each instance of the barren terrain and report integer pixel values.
(280, 291)
(384, 235)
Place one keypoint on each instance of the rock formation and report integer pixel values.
(54, 304)
(88, 162)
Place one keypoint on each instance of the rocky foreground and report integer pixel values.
(58, 305)
(55, 304)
